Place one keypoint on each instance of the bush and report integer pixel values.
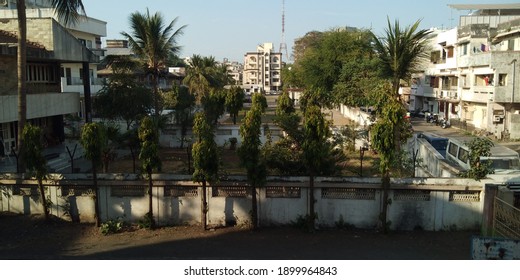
(111, 226)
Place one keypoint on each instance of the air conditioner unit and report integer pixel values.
(497, 118)
(3, 3)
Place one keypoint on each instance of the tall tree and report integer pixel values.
(123, 98)
(149, 156)
(315, 148)
(68, 11)
(181, 100)
(33, 156)
(214, 105)
(235, 101)
(388, 133)
(153, 42)
(93, 140)
(202, 74)
(251, 156)
(205, 159)
(401, 51)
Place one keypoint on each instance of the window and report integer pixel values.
(463, 155)
(511, 45)
(464, 49)
(452, 149)
(502, 80)
(450, 51)
(41, 73)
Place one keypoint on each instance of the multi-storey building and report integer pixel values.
(262, 70)
(234, 70)
(471, 79)
(55, 58)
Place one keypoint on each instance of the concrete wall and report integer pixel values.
(429, 204)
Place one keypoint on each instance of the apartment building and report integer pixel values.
(471, 77)
(56, 57)
(262, 70)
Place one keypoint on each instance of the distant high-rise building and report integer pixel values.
(262, 70)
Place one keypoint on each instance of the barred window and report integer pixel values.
(178, 191)
(230, 191)
(348, 193)
(122, 191)
(412, 195)
(465, 196)
(76, 191)
(283, 192)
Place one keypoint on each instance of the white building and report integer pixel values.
(262, 70)
(472, 75)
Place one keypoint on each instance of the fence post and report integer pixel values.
(490, 192)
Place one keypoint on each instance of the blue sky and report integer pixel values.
(230, 28)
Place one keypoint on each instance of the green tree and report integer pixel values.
(149, 156)
(93, 139)
(479, 169)
(182, 101)
(68, 11)
(315, 148)
(214, 105)
(251, 156)
(261, 100)
(401, 51)
(235, 101)
(153, 42)
(205, 159)
(284, 105)
(388, 133)
(123, 98)
(201, 75)
(33, 156)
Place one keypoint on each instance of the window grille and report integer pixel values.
(177, 191)
(412, 195)
(230, 191)
(122, 191)
(465, 196)
(348, 193)
(283, 192)
(76, 191)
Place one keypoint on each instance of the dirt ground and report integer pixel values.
(30, 238)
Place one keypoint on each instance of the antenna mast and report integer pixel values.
(283, 45)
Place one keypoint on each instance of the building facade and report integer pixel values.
(262, 70)
(56, 56)
(472, 75)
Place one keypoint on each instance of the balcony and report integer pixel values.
(477, 96)
(39, 105)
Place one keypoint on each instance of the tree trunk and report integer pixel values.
(155, 93)
(96, 194)
(150, 204)
(44, 199)
(384, 210)
(204, 207)
(254, 207)
(312, 215)
(22, 73)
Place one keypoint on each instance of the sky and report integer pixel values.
(230, 28)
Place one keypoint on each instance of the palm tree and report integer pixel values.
(200, 75)
(68, 11)
(153, 42)
(401, 51)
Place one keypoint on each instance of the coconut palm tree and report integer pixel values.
(68, 11)
(401, 51)
(153, 42)
(200, 75)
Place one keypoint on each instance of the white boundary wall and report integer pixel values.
(428, 204)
